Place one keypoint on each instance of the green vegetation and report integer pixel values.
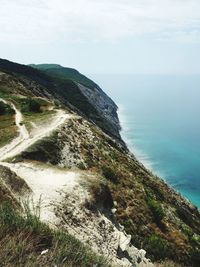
(65, 73)
(8, 129)
(6, 109)
(157, 247)
(109, 174)
(187, 230)
(45, 66)
(30, 105)
(24, 238)
(156, 209)
(81, 166)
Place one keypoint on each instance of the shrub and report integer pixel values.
(157, 247)
(81, 166)
(30, 105)
(156, 209)
(109, 174)
(187, 230)
(5, 109)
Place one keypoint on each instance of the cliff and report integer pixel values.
(66, 147)
(103, 105)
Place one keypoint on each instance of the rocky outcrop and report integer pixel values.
(104, 105)
(98, 230)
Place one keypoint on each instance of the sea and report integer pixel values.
(160, 119)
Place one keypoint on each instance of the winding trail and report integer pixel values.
(23, 133)
(25, 140)
(47, 183)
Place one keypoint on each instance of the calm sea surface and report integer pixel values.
(160, 117)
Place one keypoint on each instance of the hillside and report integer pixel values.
(94, 94)
(67, 92)
(65, 153)
(65, 73)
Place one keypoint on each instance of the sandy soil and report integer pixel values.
(48, 185)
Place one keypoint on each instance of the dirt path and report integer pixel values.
(24, 140)
(47, 183)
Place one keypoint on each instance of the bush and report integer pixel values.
(187, 230)
(30, 105)
(109, 174)
(157, 247)
(5, 109)
(156, 209)
(81, 166)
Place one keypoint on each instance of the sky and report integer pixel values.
(104, 36)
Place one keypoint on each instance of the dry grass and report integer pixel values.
(8, 129)
(24, 239)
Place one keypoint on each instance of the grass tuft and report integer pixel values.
(24, 238)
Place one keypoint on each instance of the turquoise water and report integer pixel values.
(160, 117)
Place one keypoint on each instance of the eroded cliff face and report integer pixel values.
(105, 106)
(94, 187)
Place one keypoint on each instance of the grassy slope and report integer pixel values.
(8, 129)
(23, 238)
(65, 73)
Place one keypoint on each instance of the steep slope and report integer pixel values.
(94, 188)
(95, 95)
(159, 219)
(50, 186)
(64, 90)
(65, 73)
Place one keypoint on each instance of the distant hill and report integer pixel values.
(65, 73)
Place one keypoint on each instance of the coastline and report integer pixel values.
(144, 158)
(137, 152)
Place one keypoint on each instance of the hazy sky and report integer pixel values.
(104, 36)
